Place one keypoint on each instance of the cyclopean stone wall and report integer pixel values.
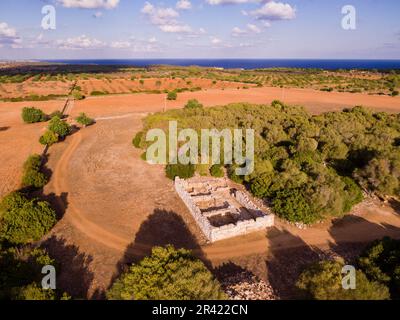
(254, 220)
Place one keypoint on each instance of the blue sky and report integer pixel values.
(95, 29)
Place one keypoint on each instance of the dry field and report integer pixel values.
(111, 85)
(29, 87)
(18, 141)
(125, 85)
(115, 206)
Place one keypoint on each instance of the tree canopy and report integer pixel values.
(308, 167)
(32, 115)
(380, 261)
(59, 127)
(323, 281)
(167, 274)
(24, 220)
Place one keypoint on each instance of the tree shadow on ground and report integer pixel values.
(73, 274)
(161, 228)
(4, 128)
(284, 265)
(350, 248)
(58, 203)
(395, 204)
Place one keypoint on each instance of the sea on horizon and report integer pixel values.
(328, 64)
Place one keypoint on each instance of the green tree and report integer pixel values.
(48, 138)
(183, 171)
(380, 261)
(32, 175)
(20, 274)
(381, 175)
(193, 104)
(167, 274)
(32, 115)
(59, 127)
(172, 95)
(34, 292)
(292, 205)
(217, 171)
(260, 186)
(84, 120)
(137, 139)
(24, 220)
(78, 95)
(323, 281)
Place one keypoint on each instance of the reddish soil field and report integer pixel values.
(314, 101)
(18, 141)
(29, 87)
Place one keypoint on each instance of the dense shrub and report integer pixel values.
(32, 115)
(323, 281)
(78, 95)
(193, 104)
(292, 205)
(98, 93)
(59, 127)
(172, 95)
(137, 139)
(48, 138)
(24, 220)
(308, 167)
(167, 274)
(20, 274)
(183, 171)
(32, 175)
(381, 175)
(380, 261)
(217, 171)
(84, 120)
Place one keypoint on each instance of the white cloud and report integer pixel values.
(266, 24)
(250, 28)
(275, 11)
(137, 45)
(183, 5)
(217, 2)
(165, 19)
(253, 28)
(9, 36)
(120, 44)
(89, 4)
(175, 28)
(80, 42)
(236, 31)
(148, 8)
(159, 16)
(215, 40)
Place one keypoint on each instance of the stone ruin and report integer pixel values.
(220, 211)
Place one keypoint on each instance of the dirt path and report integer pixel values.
(83, 224)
